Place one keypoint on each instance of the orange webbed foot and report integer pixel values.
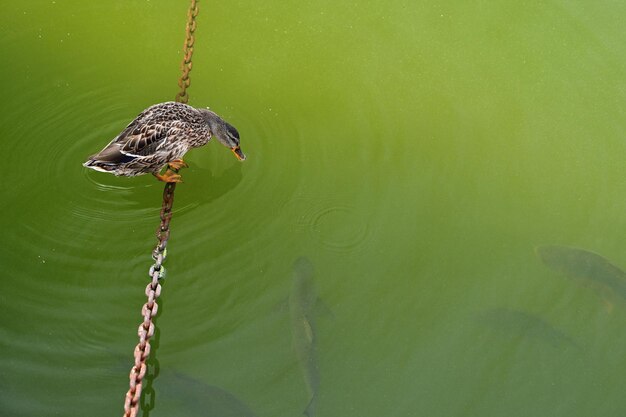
(169, 176)
(177, 164)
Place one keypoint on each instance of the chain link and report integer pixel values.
(150, 308)
(148, 394)
(185, 65)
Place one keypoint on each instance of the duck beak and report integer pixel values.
(238, 153)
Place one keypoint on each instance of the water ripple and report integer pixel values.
(206, 220)
(338, 228)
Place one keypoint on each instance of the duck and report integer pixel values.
(159, 137)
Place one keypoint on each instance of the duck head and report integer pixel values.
(224, 132)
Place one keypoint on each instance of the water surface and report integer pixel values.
(415, 153)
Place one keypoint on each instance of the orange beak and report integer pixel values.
(238, 153)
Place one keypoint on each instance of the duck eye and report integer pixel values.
(232, 131)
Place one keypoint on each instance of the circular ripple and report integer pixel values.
(338, 228)
(328, 222)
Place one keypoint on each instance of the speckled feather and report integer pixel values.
(160, 134)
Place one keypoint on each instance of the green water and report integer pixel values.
(415, 152)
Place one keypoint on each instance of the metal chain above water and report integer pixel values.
(185, 65)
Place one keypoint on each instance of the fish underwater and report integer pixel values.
(178, 394)
(516, 323)
(588, 268)
(302, 302)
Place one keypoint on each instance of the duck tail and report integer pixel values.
(93, 164)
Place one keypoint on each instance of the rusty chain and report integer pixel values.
(150, 308)
(157, 271)
(185, 65)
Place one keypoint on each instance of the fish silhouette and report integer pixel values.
(523, 324)
(588, 268)
(302, 302)
(179, 395)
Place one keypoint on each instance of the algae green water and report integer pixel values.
(415, 152)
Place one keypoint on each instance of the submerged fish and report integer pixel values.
(178, 394)
(523, 324)
(302, 301)
(587, 267)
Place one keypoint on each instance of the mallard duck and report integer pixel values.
(160, 136)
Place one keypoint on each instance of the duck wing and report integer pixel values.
(145, 139)
(137, 140)
(152, 129)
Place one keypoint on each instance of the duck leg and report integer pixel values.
(177, 164)
(168, 176)
(171, 173)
